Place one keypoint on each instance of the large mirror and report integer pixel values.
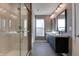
(62, 22)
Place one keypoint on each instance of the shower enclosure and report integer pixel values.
(15, 29)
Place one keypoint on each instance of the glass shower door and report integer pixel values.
(13, 29)
(9, 26)
(24, 29)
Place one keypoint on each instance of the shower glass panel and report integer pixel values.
(9, 23)
(13, 29)
(24, 38)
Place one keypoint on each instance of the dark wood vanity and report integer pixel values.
(59, 43)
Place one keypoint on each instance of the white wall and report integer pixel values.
(33, 28)
(69, 19)
(73, 31)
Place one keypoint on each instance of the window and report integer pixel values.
(39, 27)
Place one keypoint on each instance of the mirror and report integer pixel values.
(62, 22)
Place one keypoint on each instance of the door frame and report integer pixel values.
(29, 26)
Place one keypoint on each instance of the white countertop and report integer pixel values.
(58, 35)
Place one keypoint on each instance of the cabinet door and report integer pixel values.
(61, 45)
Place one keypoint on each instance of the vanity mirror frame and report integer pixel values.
(65, 20)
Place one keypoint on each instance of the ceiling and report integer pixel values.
(43, 8)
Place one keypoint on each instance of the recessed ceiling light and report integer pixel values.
(58, 8)
(52, 16)
(24, 7)
(60, 5)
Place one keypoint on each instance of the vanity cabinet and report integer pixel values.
(58, 44)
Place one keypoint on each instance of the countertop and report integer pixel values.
(57, 35)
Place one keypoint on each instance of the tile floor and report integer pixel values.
(42, 48)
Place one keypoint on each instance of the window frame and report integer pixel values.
(36, 26)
